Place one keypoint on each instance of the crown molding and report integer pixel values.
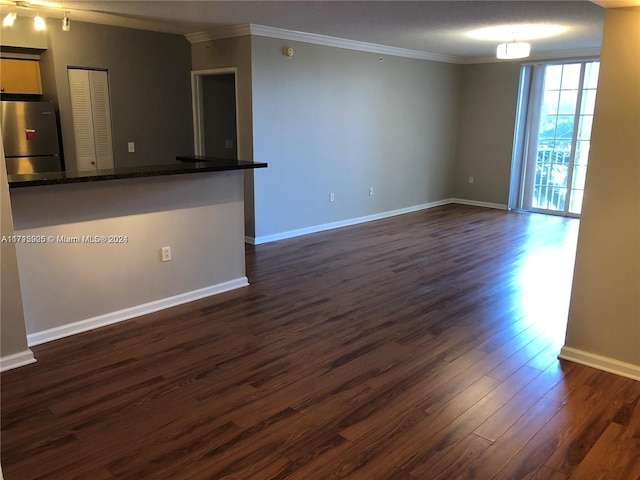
(225, 32)
(325, 40)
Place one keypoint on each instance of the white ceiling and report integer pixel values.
(436, 27)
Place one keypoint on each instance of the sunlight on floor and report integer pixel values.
(545, 280)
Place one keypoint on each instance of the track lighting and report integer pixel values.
(38, 22)
(9, 19)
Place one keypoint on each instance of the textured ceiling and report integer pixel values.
(437, 27)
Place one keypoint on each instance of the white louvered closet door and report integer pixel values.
(82, 119)
(91, 110)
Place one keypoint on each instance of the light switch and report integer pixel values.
(132, 147)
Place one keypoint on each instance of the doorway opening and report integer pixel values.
(215, 117)
(555, 114)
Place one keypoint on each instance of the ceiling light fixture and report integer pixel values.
(38, 22)
(9, 19)
(513, 50)
(525, 31)
(516, 36)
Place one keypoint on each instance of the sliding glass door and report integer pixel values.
(556, 146)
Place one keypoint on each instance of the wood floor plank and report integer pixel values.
(555, 444)
(519, 404)
(467, 374)
(434, 448)
(507, 445)
(546, 473)
(614, 455)
(582, 434)
(384, 448)
(410, 347)
(457, 459)
(320, 463)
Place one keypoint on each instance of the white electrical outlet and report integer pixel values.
(132, 147)
(166, 254)
(470, 179)
(371, 191)
(332, 197)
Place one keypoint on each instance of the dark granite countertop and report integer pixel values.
(185, 164)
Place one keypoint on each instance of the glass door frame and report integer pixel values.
(527, 129)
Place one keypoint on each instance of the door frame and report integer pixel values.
(198, 108)
(524, 152)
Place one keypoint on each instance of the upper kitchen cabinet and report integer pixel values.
(20, 76)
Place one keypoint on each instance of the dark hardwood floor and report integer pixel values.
(417, 347)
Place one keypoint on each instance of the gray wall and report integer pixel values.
(485, 131)
(149, 79)
(336, 120)
(13, 339)
(234, 52)
(604, 315)
(199, 216)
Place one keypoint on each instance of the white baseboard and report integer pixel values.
(475, 203)
(368, 218)
(606, 364)
(114, 317)
(342, 223)
(16, 360)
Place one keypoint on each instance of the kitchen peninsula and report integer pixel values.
(195, 207)
(151, 198)
(187, 164)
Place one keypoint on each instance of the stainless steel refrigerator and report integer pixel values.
(30, 136)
